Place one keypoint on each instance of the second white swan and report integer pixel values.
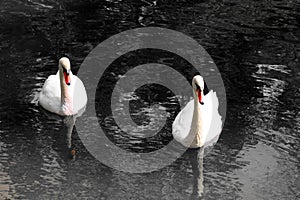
(199, 122)
(63, 93)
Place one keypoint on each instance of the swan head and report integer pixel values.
(65, 69)
(198, 87)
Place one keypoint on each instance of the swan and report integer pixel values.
(199, 122)
(63, 93)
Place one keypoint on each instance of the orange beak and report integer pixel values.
(67, 78)
(200, 96)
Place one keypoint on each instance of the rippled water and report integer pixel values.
(256, 48)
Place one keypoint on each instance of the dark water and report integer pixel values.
(255, 45)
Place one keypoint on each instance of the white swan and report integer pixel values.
(198, 123)
(63, 93)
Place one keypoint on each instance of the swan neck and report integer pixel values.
(197, 113)
(66, 96)
(196, 126)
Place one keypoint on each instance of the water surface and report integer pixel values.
(256, 48)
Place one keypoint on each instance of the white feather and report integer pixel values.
(211, 120)
(50, 96)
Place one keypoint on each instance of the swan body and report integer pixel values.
(198, 123)
(63, 93)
